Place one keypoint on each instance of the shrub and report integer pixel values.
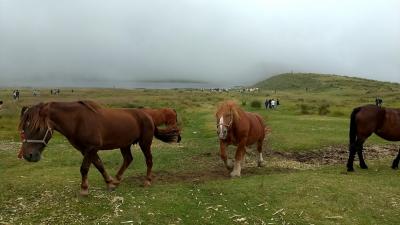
(323, 109)
(129, 105)
(255, 104)
(338, 113)
(244, 103)
(305, 109)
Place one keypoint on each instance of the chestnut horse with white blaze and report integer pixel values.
(91, 128)
(369, 119)
(240, 128)
(163, 116)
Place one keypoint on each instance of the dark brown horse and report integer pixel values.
(240, 128)
(90, 128)
(369, 119)
(163, 116)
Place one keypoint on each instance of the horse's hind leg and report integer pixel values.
(395, 164)
(359, 148)
(352, 153)
(100, 167)
(127, 155)
(146, 149)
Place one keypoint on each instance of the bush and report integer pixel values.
(128, 105)
(255, 104)
(323, 109)
(244, 103)
(338, 113)
(305, 109)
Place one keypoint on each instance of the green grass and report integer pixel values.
(191, 185)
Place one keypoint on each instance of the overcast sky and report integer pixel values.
(231, 41)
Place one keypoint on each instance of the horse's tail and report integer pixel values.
(168, 135)
(353, 126)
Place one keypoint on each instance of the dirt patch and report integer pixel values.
(336, 154)
(276, 162)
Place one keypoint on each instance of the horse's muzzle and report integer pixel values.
(34, 157)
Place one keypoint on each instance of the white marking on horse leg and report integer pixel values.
(260, 160)
(236, 169)
(221, 127)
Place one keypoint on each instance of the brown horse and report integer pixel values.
(369, 119)
(90, 128)
(163, 116)
(240, 128)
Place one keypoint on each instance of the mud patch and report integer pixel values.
(213, 173)
(333, 155)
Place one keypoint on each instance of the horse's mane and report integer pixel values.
(32, 119)
(91, 105)
(230, 106)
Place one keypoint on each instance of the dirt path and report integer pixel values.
(336, 154)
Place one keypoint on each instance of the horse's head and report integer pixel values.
(226, 114)
(35, 132)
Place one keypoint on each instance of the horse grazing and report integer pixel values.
(369, 119)
(163, 116)
(90, 128)
(240, 128)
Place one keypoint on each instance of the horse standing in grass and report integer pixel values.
(240, 128)
(163, 116)
(369, 119)
(90, 128)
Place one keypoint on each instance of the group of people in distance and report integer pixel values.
(378, 102)
(15, 94)
(271, 103)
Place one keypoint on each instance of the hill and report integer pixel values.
(320, 82)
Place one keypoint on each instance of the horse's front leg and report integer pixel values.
(224, 157)
(260, 161)
(240, 151)
(111, 184)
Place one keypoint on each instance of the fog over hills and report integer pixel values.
(225, 42)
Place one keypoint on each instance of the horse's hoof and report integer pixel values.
(111, 186)
(364, 167)
(234, 174)
(84, 192)
(261, 164)
(147, 183)
(350, 169)
(395, 167)
(116, 182)
(229, 165)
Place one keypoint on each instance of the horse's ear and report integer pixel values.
(23, 110)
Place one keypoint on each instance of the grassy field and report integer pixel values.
(191, 185)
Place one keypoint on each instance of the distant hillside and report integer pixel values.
(319, 82)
